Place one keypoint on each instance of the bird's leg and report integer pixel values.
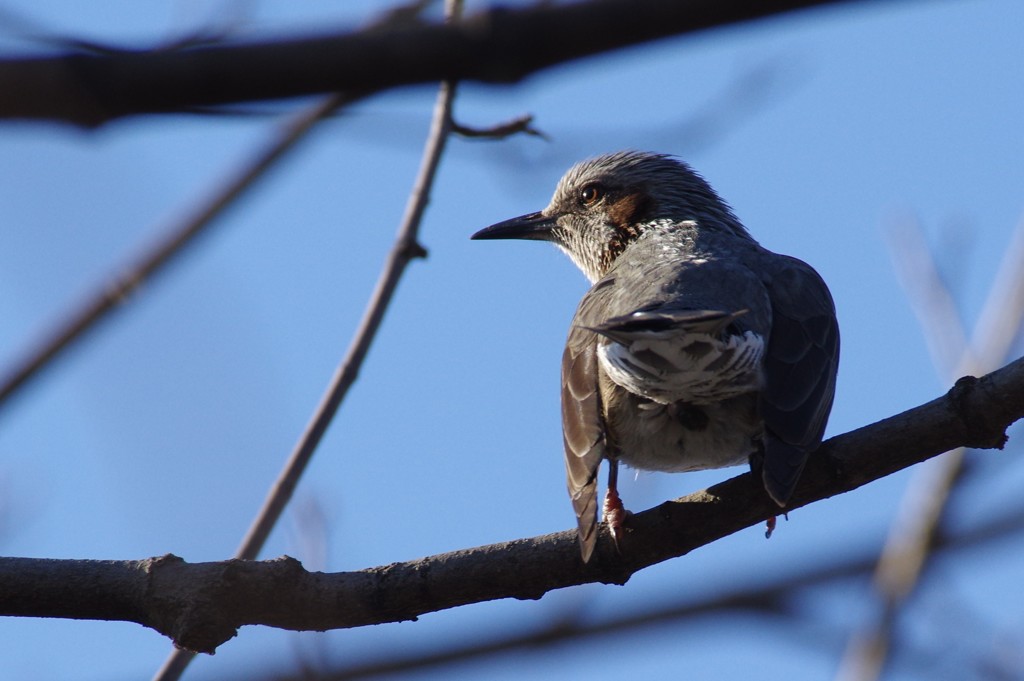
(757, 471)
(771, 523)
(614, 512)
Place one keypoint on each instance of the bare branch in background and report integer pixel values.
(109, 297)
(930, 298)
(117, 290)
(496, 46)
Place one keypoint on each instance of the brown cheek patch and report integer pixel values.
(626, 210)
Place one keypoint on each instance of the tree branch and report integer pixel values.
(201, 605)
(520, 125)
(770, 597)
(495, 46)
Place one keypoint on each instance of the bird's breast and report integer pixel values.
(681, 437)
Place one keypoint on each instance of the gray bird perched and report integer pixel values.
(695, 348)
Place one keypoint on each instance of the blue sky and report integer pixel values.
(163, 431)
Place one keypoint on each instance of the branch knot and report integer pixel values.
(980, 432)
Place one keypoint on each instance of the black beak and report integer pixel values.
(534, 226)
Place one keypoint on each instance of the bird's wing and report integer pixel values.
(583, 427)
(800, 372)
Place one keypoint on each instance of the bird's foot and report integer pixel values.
(770, 525)
(615, 515)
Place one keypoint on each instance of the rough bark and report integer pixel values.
(495, 46)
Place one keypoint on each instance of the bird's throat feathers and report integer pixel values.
(596, 262)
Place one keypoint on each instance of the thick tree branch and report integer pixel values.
(778, 596)
(201, 605)
(495, 46)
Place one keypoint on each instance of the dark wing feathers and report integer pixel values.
(800, 372)
(583, 431)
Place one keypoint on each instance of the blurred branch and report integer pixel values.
(930, 298)
(202, 605)
(914, 532)
(499, 45)
(405, 249)
(108, 298)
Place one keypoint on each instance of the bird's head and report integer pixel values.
(604, 204)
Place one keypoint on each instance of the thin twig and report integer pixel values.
(108, 298)
(516, 126)
(914, 532)
(405, 249)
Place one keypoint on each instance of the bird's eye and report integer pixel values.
(591, 194)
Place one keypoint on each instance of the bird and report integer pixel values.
(695, 347)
